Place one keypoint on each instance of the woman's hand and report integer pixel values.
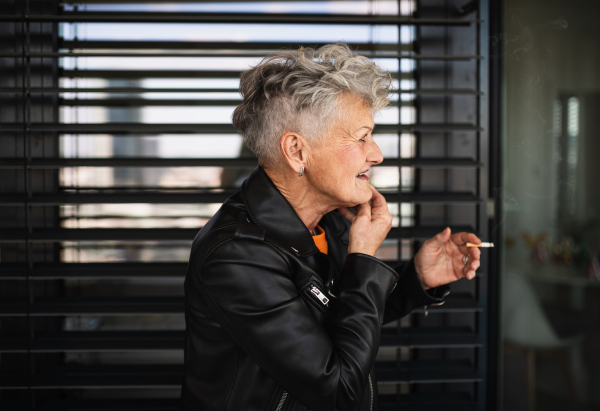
(440, 260)
(370, 225)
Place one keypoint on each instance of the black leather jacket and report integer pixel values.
(272, 323)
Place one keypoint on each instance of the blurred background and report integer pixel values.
(550, 204)
(116, 147)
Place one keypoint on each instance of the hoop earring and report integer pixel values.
(301, 171)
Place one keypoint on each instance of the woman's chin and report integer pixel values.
(360, 195)
(363, 197)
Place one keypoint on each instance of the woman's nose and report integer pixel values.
(375, 156)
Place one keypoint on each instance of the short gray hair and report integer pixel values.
(298, 91)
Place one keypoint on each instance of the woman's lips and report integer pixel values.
(362, 176)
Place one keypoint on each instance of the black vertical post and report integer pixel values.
(495, 158)
(485, 287)
(26, 113)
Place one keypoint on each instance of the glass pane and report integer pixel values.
(551, 206)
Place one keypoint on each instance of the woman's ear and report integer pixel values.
(295, 150)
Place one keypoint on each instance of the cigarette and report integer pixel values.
(484, 245)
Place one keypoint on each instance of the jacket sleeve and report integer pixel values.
(248, 288)
(410, 294)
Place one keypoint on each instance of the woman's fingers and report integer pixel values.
(363, 211)
(378, 203)
(443, 237)
(473, 262)
(473, 253)
(370, 225)
(461, 240)
(469, 273)
(346, 212)
(459, 243)
(470, 268)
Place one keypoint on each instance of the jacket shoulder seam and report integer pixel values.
(274, 245)
(233, 238)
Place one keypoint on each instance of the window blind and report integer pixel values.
(117, 147)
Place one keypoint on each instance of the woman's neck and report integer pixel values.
(302, 197)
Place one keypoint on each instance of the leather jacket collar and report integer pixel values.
(271, 211)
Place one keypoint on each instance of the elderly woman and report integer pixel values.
(284, 295)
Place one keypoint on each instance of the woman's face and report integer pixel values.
(338, 164)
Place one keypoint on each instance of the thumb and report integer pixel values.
(444, 236)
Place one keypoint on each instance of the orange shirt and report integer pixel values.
(320, 240)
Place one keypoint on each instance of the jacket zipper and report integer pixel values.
(285, 394)
(324, 300)
(371, 386)
(330, 282)
(282, 401)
